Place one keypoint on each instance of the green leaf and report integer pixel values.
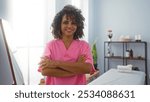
(94, 53)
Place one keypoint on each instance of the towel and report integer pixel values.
(123, 68)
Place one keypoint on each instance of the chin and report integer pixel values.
(69, 34)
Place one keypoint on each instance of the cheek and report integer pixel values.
(61, 28)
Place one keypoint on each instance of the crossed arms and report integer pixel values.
(64, 69)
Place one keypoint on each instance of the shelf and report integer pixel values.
(115, 57)
(120, 57)
(124, 46)
(135, 58)
(124, 42)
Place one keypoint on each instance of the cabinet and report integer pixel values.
(116, 53)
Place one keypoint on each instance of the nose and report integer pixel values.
(69, 24)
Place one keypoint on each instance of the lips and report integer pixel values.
(69, 30)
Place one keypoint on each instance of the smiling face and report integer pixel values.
(68, 26)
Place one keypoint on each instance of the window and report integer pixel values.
(31, 22)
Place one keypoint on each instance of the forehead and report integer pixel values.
(68, 17)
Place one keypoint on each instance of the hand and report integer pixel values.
(81, 59)
(47, 63)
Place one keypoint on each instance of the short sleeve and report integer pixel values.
(47, 53)
(86, 50)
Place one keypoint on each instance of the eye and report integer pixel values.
(74, 23)
(65, 22)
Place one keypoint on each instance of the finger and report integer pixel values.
(42, 61)
(82, 58)
(44, 68)
(42, 65)
(44, 57)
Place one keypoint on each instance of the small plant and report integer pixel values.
(94, 53)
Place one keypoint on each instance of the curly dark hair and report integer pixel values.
(71, 12)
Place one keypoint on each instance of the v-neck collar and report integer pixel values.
(63, 44)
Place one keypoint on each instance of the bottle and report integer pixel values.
(109, 50)
(131, 53)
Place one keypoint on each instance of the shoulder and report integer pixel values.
(53, 41)
(83, 42)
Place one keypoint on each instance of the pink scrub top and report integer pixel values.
(56, 50)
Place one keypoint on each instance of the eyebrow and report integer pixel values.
(68, 20)
(71, 18)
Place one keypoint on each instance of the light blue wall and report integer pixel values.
(3, 9)
(124, 17)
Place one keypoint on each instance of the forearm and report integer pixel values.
(75, 67)
(56, 72)
(79, 67)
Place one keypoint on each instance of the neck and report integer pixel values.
(67, 41)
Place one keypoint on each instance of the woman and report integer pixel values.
(66, 58)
